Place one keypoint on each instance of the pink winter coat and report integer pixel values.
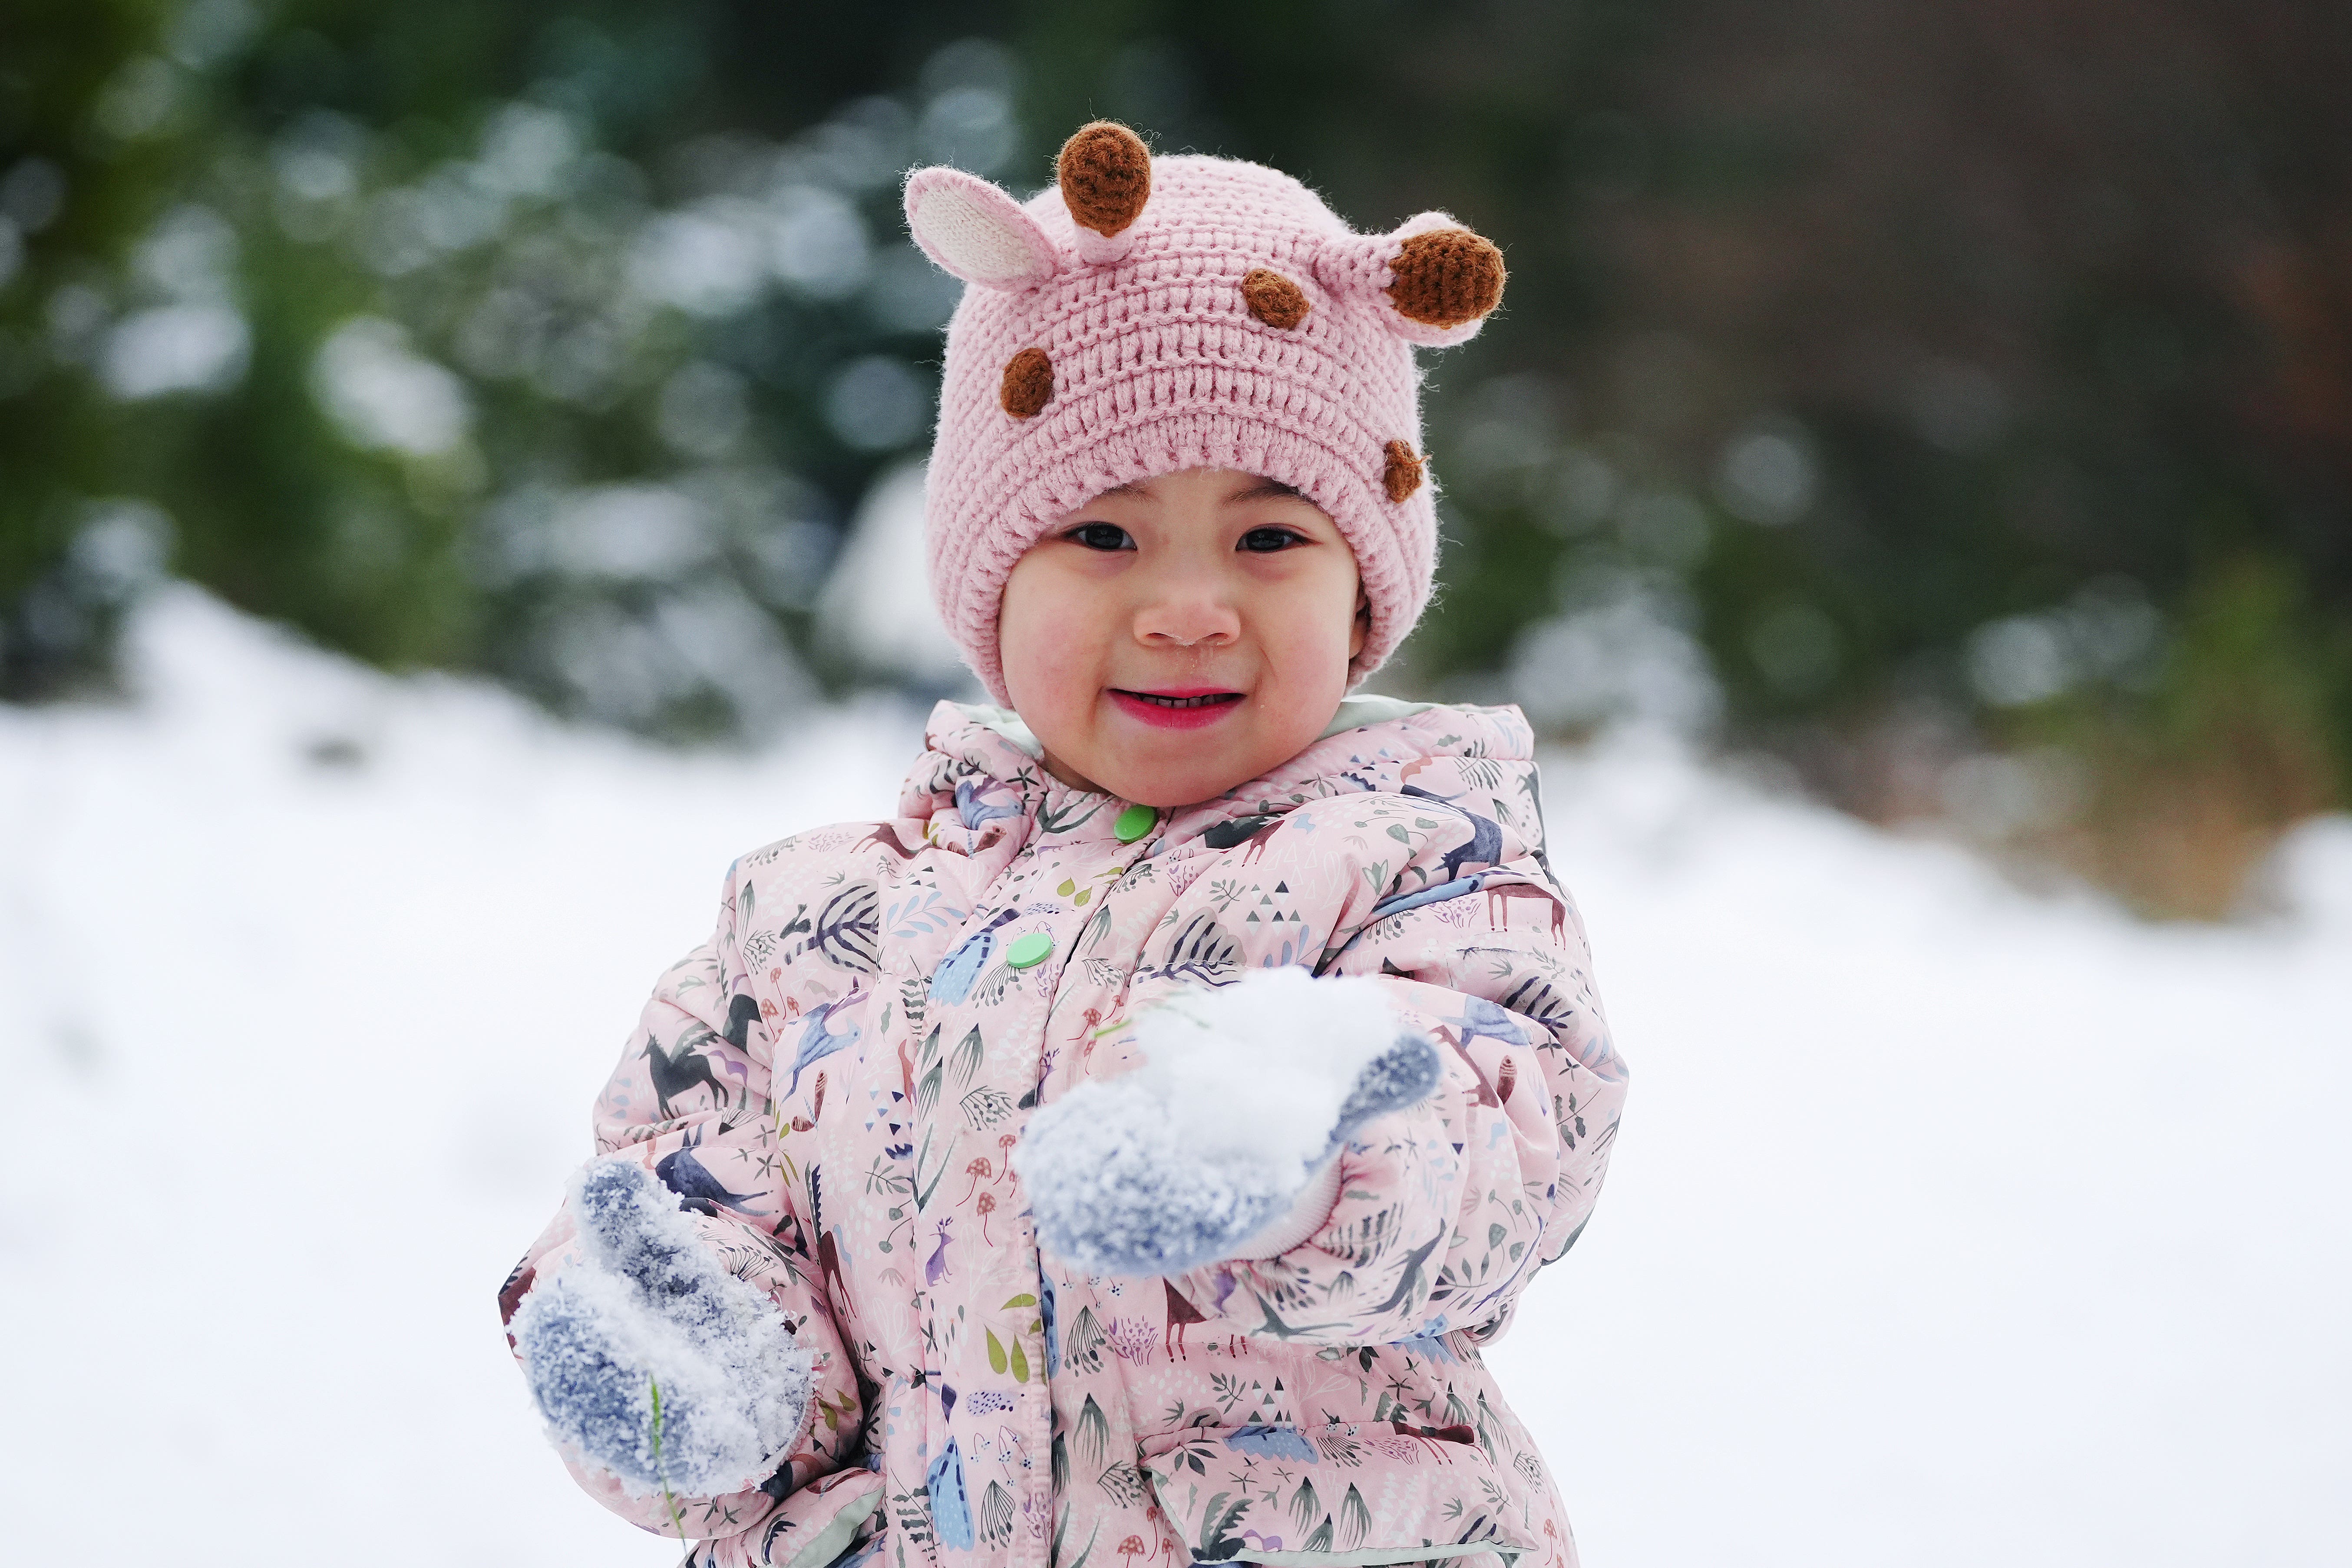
(849, 1061)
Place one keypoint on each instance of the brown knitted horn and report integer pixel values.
(1446, 277)
(1105, 171)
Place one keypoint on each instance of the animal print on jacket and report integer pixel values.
(833, 1083)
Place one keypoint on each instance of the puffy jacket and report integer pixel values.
(847, 1066)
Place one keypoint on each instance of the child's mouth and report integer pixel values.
(1176, 709)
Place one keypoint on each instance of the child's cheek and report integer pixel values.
(1049, 645)
(1312, 637)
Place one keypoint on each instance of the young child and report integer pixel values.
(1122, 1153)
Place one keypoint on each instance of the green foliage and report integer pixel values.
(1843, 370)
(545, 340)
(2168, 786)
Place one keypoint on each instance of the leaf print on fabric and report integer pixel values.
(1534, 997)
(996, 1515)
(1122, 1483)
(951, 1508)
(761, 945)
(1202, 952)
(1132, 1339)
(1217, 1542)
(920, 914)
(848, 927)
(967, 1058)
(986, 1107)
(926, 1092)
(924, 1187)
(1068, 818)
(1339, 1445)
(1093, 1431)
(992, 985)
(1094, 931)
(953, 980)
(1084, 1348)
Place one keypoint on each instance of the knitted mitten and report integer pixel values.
(1246, 1095)
(652, 1362)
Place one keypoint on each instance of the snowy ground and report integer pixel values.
(1948, 1224)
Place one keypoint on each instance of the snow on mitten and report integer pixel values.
(1246, 1095)
(649, 1359)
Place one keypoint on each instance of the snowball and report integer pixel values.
(1264, 1066)
(1243, 1093)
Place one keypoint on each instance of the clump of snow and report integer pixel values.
(651, 1317)
(1264, 1066)
(1948, 1224)
(1243, 1091)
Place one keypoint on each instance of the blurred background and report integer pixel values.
(459, 485)
(1948, 404)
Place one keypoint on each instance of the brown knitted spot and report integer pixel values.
(1274, 298)
(1105, 176)
(1446, 277)
(1403, 476)
(1028, 384)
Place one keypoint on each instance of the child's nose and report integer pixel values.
(1188, 612)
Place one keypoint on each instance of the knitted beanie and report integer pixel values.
(1146, 315)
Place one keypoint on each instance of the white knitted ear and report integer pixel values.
(973, 229)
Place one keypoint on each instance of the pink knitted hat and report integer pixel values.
(1151, 314)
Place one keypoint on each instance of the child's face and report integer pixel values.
(1230, 592)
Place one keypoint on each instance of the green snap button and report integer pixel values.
(1030, 951)
(1134, 822)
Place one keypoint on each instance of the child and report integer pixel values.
(1123, 1152)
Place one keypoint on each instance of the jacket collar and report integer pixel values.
(979, 778)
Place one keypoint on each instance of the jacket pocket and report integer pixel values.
(1321, 1497)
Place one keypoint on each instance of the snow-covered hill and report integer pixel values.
(1948, 1224)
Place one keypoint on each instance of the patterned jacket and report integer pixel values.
(835, 1080)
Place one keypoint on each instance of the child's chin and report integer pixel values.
(1173, 771)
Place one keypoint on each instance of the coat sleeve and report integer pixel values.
(1442, 1211)
(690, 1098)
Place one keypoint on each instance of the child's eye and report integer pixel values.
(1101, 536)
(1265, 541)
